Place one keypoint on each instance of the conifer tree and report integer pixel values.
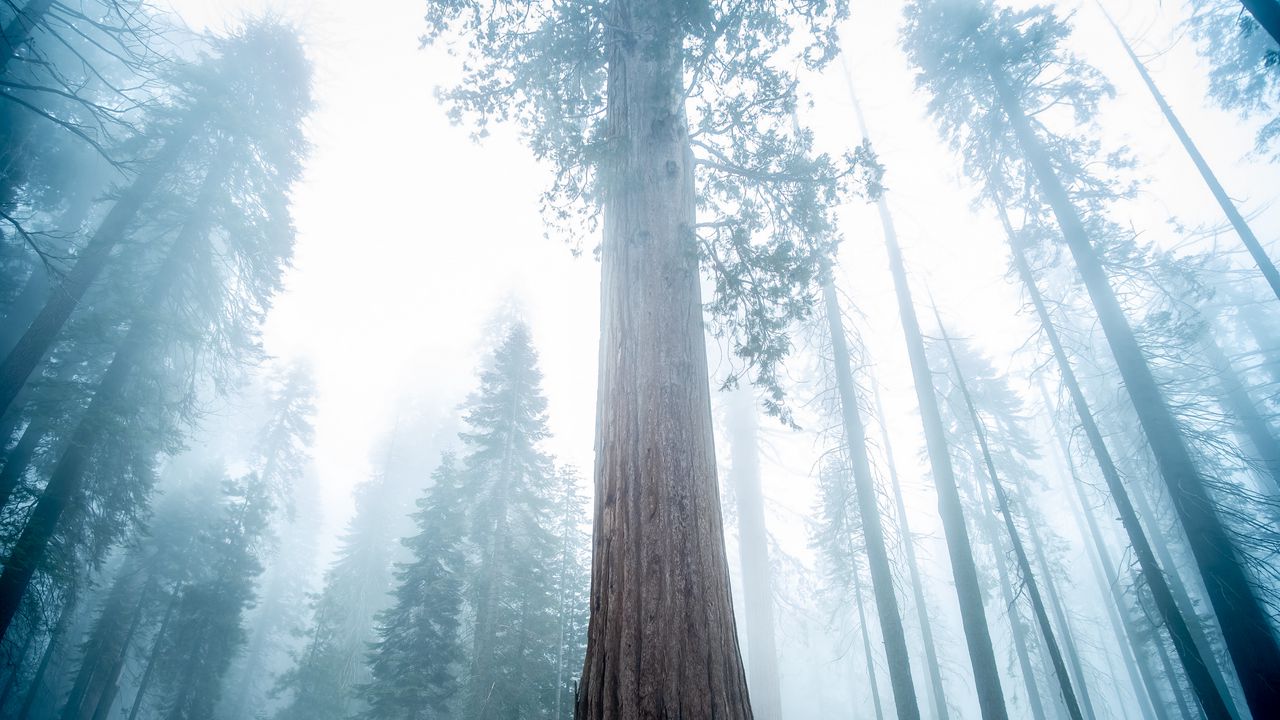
(418, 658)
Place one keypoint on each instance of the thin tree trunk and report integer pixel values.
(18, 459)
(18, 31)
(1250, 423)
(55, 637)
(987, 530)
(105, 657)
(937, 693)
(1245, 624)
(753, 551)
(24, 308)
(855, 438)
(64, 485)
(968, 590)
(1259, 254)
(1060, 615)
(19, 659)
(90, 261)
(1171, 677)
(1212, 697)
(1267, 13)
(866, 644)
(1015, 538)
(140, 696)
(662, 640)
(1100, 563)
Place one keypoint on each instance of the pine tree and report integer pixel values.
(418, 657)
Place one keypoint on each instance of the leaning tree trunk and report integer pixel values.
(1267, 13)
(51, 647)
(66, 479)
(105, 657)
(1245, 624)
(855, 438)
(661, 640)
(1249, 421)
(937, 693)
(1015, 537)
(1260, 257)
(866, 643)
(90, 261)
(977, 635)
(753, 546)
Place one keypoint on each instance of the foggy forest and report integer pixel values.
(639, 359)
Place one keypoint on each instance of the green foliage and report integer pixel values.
(1245, 65)
(764, 197)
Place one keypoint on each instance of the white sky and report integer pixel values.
(410, 235)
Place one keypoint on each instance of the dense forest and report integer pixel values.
(936, 355)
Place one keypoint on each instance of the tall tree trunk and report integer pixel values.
(661, 640)
(753, 549)
(1100, 562)
(90, 261)
(1245, 624)
(64, 485)
(18, 31)
(968, 590)
(19, 458)
(1199, 663)
(1259, 254)
(1249, 422)
(17, 660)
(1171, 678)
(988, 531)
(855, 438)
(1015, 538)
(51, 647)
(937, 693)
(866, 643)
(1267, 13)
(140, 696)
(1060, 615)
(105, 654)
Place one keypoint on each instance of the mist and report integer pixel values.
(622, 359)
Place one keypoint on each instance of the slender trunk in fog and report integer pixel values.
(937, 694)
(661, 640)
(1200, 665)
(34, 344)
(753, 548)
(68, 474)
(1249, 421)
(855, 438)
(1259, 254)
(866, 644)
(140, 695)
(55, 637)
(1245, 623)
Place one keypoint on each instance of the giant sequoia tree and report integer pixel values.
(675, 118)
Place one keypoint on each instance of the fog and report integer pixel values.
(374, 449)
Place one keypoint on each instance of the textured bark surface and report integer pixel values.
(1245, 624)
(753, 545)
(661, 640)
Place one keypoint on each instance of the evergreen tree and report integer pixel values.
(418, 657)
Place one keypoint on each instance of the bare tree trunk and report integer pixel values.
(1249, 422)
(1259, 254)
(90, 261)
(855, 438)
(1060, 615)
(140, 696)
(1200, 665)
(753, 548)
(661, 640)
(1015, 538)
(1245, 623)
(104, 657)
(937, 693)
(1100, 563)
(866, 643)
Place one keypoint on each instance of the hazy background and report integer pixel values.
(410, 235)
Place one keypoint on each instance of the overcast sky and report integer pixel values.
(410, 235)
